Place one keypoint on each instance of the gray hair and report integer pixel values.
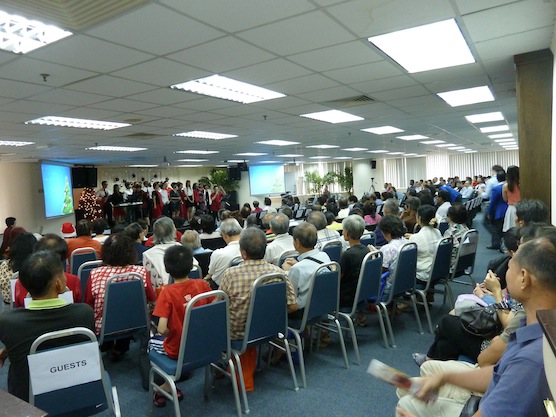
(391, 206)
(306, 235)
(164, 231)
(191, 239)
(317, 219)
(230, 227)
(354, 226)
(253, 242)
(280, 224)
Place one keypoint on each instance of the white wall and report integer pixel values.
(362, 174)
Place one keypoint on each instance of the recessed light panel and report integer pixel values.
(228, 89)
(323, 146)
(490, 129)
(15, 143)
(205, 135)
(277, 142)
(188, 166)
(412, 137)
(354, 149)
(467, 96)
(394, 153)
(141, 166)
(319, 157)
(237, 161)
(250, 154)
(485, 117)
(378, 151)
(116, 149)
(192, 160)
(427, 47)
(456, 148)
(197, 152)
(501, 135)
(445, 145)
(342, 157)
(290, 155)
(505, 140)
(382, 130)
(470, 151)
(332, 116)
(78, 123)
(21, 35)
(432, 142)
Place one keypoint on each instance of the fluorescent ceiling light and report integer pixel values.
(116, 149)
(237, 161)
(512, 148)
(470, 151)
(378, 151)
(427, 47)
(14, 143)
(290, 155)
(467, 96)
(21, 35)
(205, 135)
(250, 154)
(490, 129)
(192, 160)
(342, 157)
(394, 153)
(142, 166)
(412, 137)
(485, 117)
(501, 135)
(319, 157)
(188, 166)
(228, 89)
(455, 148)
(278, 142)
(197, 152)
(332, 116)
(409, 154)
(270, 162)
(78, 123)
(382, 130)
(432, 142)
(463, 150)
(445, 145)
(505, 145)
(323, 146)
(505, 140)
(354, 149)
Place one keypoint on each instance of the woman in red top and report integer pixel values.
(158, 205)
(216, 198)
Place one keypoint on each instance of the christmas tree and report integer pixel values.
(68, 200)
(88, 203)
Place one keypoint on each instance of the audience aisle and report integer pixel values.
(332, 390)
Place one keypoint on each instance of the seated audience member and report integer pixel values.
(426, 240)
(369, 213)
(344, 209)
(256, 208)
(528, 211)
(221, 258)
(136, 233)
(251, 221)
(409, 214)
(391, 207)
(521, 369)
(324, 235)
(443, 202)
(350, 262)
(392, 229)
(268, 206)
(170, 307)
(332, 224)
(21, 248)
(43, 277)
(191, 240)
(289, 212)
(245, 212)
(208, 226)
(99, 226)
(352, 201)
(119, 257)
(457, 219)
(59, 247)
(237, 283)
(6, 239)
(467, 191)
(83, 239)
(164, 237)
(425, 196)
(279, 226)
(454, 194)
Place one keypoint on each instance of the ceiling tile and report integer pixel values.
(268, 72)
(111, 86)
(123, 105)
(367, 72)
(36, 108)
(161, 72)
(303, 84)
(69, 97)
(16, 89)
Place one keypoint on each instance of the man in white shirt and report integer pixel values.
(491, 182)
(324, 235)
(467, 191)
(279, 225)
(221, 258)
(443, 201)
(267, 206)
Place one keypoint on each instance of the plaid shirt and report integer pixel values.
(237, 283)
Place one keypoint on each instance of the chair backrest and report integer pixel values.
(84, 272)
(465, 258)
(214, 243)
(323, 297)
(81, 387)
(125, 307)
(371, 227)
(79, 256)
(368, 284)
(267, 314)
(442, 259)
(204, 260)
(369, 239)
(235, 261)
(13, 281)
(333, 250)
(287, 254)
(195, 273)
(442, 227)
(406, 271)
(206, 332)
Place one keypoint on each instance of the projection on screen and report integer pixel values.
(266, 179)
(56, 183)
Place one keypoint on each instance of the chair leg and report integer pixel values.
(342, 342)
(423, 296)
(290, 362)
(208, 369)
(388, 323)
(237, 360)
(382, 327)
(351, 326)
(234, 386)
(299, 348)
(414, 302)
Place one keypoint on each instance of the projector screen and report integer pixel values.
(56, 183)
(266, 179)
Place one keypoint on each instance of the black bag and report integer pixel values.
(481, 321)
(471, 406)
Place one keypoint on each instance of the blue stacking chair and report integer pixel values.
(369, 239)
(236, 261)
(80, 256)
(323, 301)
(84, 399)
(403, 283)
(442, 227)
(465, 258)
(267, 320)
(195, 273)
(287, 254)
(368, 286)
(205, 340)
(84, 272)
(333, 249)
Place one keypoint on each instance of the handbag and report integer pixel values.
(471, 406)
(483, 321)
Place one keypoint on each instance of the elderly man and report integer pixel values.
(324, 235)
(279, 226)
(390, 207)
(84, 238)
(43, 276)
(237, 283)
(517, 385)
(221, 258)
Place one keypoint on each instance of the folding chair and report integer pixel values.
(403, 284)
(80, 256)
(368, 286)
(287, 254)
(84, 272)
(204, 260)
(333, 249)
(440, 271)
(442, 227)
(465, 258)
(235, 261)
(214, 243)
(82, 390)
(205, 340)
(195, 273)
(323, 299)
(13, 281)
(369, 239)
(267, 320)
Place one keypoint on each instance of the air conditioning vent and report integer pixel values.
(351, 101)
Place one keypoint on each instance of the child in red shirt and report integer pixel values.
(170, 306)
